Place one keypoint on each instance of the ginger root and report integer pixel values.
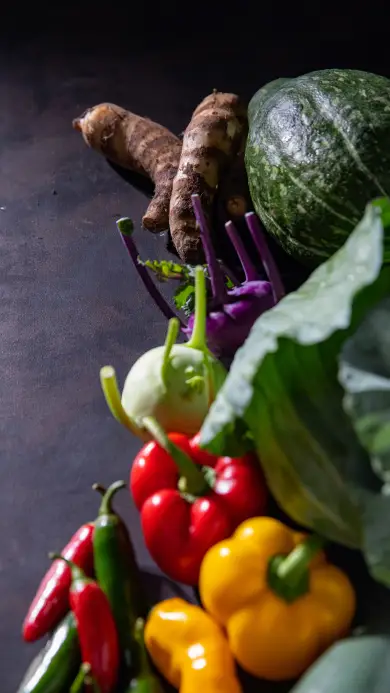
(137, 144)
(215, 136)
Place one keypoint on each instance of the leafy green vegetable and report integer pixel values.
(283, 387)
(166, 269)
(365, 376)
(184, 298)
(184, 294)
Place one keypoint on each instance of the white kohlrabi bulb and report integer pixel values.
(175, 384)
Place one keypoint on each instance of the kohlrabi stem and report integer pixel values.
(112, 395)
(198, 337)
(269, 264)
(170, 341)
(229, 274)
(192, 480)
(247, 264)
(216, 276)
(126, 228)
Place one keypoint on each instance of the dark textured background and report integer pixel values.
(69, 299)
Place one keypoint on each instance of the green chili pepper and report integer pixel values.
(55, 667)
(146, 680)
(118, 575)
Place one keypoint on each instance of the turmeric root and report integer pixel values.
(216, 133)
(138, 144)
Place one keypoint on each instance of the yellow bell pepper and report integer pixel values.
(281, 603)
(190, 649)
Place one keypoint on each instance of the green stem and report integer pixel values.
(106, 504)
(192, 480)
(198, 337)
(80, 680)
(77, 573)
(113, 398)
(289, 576)
(170, 341)
(144, 664)
(99, 488)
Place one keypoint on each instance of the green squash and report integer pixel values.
(354, 665)
(318, 150)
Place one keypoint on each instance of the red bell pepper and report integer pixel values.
(96, 629)
(51, 601)
(189, 500)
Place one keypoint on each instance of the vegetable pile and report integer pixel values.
(250, 481)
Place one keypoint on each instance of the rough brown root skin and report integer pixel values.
(233, 194)
(138, 144)
(215, 135)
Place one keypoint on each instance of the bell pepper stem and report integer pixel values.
(198, 337)
(288, 576)
(297, 562)
(106, 504)
(76, 571)
(192, 479)
(170, 341)
(112, 396)
(80, 680)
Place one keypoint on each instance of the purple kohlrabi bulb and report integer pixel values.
(228, 327)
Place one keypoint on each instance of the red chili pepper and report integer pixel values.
(51, 601)
(95, 628)
(187, 506)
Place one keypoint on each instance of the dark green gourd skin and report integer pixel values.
(318, 150)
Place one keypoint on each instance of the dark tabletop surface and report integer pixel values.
(70, 301)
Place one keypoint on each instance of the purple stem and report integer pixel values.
(216, 276)
(247, 264)
(229, 274)
(125, 228)
(269, 264)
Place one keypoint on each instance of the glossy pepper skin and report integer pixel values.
(281, 603)
(190, 649)
(51, 601)
(56, 665)
(118, 575)
(96, 629)
(181, 521)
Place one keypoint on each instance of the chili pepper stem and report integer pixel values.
(77, 573)
(170, 341)
(80, 680)
(143, 661)
(288, 576)
(112, 396)
(192, 479)
(106, 504)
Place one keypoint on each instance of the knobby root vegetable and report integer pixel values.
(137, 144)
(216, 134)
